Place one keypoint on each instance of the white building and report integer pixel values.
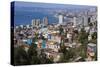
(92, 31)
(93, 18)
(60, 19)
(75, 21)
(89, 37)
(28, 26)
(21, 26)
(45, 21)
(17, 27)
(54, 47)
(85, 20)
(35, 23)
(87, 29)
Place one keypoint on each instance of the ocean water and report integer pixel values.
(24, 12)
(25, 17)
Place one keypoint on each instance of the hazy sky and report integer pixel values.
(48, 5)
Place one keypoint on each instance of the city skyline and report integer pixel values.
(53, 33)
(24, 14)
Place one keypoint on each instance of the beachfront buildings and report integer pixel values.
(60, 19)
(50, 37)
(39, 23)
(45, 21)
(35, 22)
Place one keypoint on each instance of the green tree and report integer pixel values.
(67, 54)
(32, 52)
(90, 24)
(44, 59)
(94, 38)
(83, 39)
(20, 56)
(94, 35)
(61, 30)
(83, 36)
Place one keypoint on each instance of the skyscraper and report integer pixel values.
(33, 23)
(37, 23)
(74, 21)
(85, 18)
(45, 21)
(60, 19)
